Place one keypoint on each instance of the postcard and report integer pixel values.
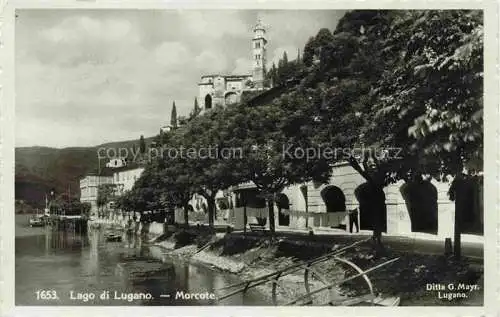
(243, 158)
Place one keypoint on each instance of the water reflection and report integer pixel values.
(66, 261)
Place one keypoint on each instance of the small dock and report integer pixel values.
(74, 223)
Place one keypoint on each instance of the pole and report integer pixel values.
(457, 245)
(98, 184)
(244, 218)
(69, 196)
(456, 189)
(303, 189)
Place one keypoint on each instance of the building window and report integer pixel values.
(208, 102)
(257, 44)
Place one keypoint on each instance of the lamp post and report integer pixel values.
(303, 189)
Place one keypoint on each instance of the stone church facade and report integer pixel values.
(224, 90)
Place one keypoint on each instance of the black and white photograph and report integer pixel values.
(249, 157)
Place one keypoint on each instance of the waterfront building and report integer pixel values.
(123, 178)
(89, 186)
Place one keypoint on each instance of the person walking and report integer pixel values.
(353, 219)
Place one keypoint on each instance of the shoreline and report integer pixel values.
(190, 254)
(250, 256)
(23, 229)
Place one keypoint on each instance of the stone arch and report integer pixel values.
(372, 207)
(421, 199)
(334, 198)
(208, 101)
(230, 98)
(283, 204)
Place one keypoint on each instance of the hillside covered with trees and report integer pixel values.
(41, 169)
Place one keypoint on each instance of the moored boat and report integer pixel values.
(113, 238)
(36, 221)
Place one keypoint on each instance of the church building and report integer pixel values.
(219, 89)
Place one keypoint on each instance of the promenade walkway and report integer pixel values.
(424, 244)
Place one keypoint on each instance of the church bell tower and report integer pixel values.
(259, 42)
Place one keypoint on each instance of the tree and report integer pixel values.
(105, 194)
(309, 51)
(272, 75)
(173, 116)
(63, 203)
(436, 89)
(166, 182)
(443, 87)
(209, 170)
(285, 58)
(177, 185)
(384, 82)
(263, 143)
(336, 93)
(196, 109)
(324, 37)
(142, 145)
(85, 208)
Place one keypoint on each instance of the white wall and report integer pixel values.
(126, 179)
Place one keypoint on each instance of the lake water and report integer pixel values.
(64, 264)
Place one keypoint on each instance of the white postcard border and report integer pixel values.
(491, 156)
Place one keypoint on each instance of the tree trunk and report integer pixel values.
(457, 243)
(186, 215)
(245, 218)
(379, 216)
(270, 206)
(211, 210)
(457, 194)
(372, 204)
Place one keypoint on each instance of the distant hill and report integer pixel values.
(39, 169)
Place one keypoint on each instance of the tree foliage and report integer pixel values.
(106, 193)
(269, 145)
(285, 71)
(435, 87)
(388, 80)
(173, 116)
(196, 109)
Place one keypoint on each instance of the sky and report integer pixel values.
(87, 77)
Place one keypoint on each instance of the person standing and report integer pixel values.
(353, 219)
